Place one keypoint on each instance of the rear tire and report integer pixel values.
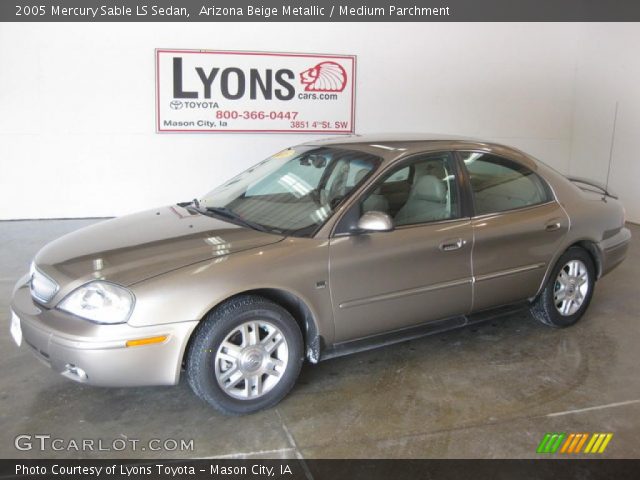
(568, 291)
(245, 356)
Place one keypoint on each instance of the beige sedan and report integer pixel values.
(324, 249)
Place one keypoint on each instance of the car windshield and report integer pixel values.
(293, 192)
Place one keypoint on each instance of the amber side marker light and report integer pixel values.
(146, 341)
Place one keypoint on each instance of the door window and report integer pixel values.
(499, 184)
(422, 191)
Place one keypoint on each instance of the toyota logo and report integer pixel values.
(176, 104)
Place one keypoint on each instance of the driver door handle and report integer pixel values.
(452, 244)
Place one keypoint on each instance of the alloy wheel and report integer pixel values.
(571, 287)
(251, 360)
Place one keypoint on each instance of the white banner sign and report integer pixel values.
(222, 91)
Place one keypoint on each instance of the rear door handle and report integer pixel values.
(454, 244)
(552, 226)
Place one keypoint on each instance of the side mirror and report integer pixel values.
(375, 222)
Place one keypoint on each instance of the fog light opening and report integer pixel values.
(71, 369)
(146, 341)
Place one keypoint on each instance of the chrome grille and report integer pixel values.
(43, 288)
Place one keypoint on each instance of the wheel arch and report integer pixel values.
(594, 252)
(302, 314)
(588, 245)
(292, 303)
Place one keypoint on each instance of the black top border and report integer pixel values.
(320, 11)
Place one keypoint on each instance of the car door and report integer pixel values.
(420, 271)
(517, 227)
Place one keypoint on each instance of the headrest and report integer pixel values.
(429, 188)
(360, 174)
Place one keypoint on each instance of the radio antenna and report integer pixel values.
(613, 137)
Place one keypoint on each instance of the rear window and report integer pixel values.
(500, 184)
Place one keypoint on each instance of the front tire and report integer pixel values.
(245, 356)
(568, 291)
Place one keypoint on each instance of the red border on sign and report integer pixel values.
(268, 54)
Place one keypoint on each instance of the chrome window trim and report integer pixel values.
(413, 225)
(514, 210)
(433, 222)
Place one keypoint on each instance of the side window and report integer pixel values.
(401, 175)
(344, 177)
(422, 191)
(499, 184)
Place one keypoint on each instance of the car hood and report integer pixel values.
(135, 247)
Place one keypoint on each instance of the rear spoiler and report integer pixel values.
(592, 186)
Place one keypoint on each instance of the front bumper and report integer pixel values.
(97, 354)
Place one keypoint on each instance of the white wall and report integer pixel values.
(62, 86)
(608, 71)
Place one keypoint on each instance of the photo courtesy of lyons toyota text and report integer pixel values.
(260, 240)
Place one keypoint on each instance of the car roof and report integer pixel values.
(393, 146)
(384, 138)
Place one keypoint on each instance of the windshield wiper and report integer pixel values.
(195, 203)
(231, 215)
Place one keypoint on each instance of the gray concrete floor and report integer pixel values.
(488, 391)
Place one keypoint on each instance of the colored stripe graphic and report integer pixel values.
(572, 443)
(584, 439)
(551, 442)
(565, 447)
(543, 443)
(605, 442)
(556, 445)
(598, 442)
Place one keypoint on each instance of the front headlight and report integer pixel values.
(101, 302)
